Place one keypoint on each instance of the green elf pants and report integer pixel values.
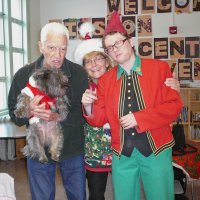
(156, 173)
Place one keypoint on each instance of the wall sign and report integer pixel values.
(182, 53)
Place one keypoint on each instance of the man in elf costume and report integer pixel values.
(139, 107)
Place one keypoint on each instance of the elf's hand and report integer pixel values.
(128, 121)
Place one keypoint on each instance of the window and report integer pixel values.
(13, 44)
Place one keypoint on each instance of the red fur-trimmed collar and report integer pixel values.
(45, 98)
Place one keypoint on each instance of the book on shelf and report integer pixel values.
(184, 114)
(195, 132)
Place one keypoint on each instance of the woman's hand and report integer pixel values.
(88, 98)
(173, 83)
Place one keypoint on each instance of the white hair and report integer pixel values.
(54, 27)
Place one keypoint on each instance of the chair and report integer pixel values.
(7, 191)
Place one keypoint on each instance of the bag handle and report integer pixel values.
(178, 153)
(184, 152)
(192, 150)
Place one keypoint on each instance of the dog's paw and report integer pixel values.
(26, 151)
(55, 157)
(43, 159)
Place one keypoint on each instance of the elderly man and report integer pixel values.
(53, 47)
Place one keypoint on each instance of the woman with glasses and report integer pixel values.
(98, 153)
(133, 98)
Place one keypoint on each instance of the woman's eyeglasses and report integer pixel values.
(95, 60)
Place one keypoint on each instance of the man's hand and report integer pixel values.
(46, 115)
(34, 103)
(38, 110)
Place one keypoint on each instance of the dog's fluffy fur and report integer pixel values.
(44, 134)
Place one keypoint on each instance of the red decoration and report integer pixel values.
(173, 29)
(87, 36)
(190, 162)
(115, 24)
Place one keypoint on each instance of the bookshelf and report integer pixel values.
(190, 114)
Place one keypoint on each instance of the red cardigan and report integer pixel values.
(162, 105)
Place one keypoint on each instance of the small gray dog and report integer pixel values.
(52, 84)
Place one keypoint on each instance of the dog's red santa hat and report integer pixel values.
(115, 25)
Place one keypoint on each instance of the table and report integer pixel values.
(190, 164)
(9, 130)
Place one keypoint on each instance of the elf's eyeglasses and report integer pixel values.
(117, 44)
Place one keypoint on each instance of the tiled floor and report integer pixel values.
(17, 169)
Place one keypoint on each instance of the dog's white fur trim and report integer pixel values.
(27, 90)
(32, 81)
(34, 120)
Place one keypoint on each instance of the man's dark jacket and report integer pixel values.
(73, 124)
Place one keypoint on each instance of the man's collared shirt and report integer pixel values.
(136, 67)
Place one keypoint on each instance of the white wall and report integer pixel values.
(188, 24)
(34, 24)
(71, 9)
